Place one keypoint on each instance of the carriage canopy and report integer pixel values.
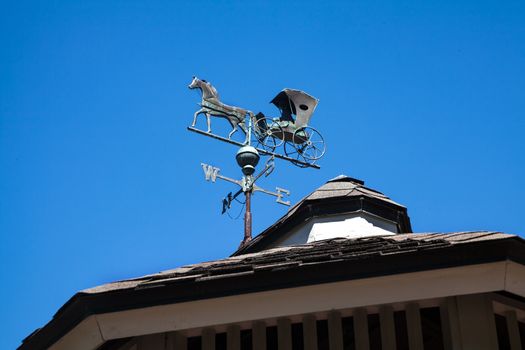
(296, 102)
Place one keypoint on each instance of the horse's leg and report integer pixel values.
(245, 130)
(195, 116)
(208, 120)
(233, 131)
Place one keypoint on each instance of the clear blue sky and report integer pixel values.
(99, 179)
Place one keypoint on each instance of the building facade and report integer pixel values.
(341, 270)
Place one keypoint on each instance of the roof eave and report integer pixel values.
(82, 305)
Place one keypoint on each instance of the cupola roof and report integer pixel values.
(344, 207)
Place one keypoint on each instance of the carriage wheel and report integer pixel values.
(291, 151)
(268, 134)
(309, 143)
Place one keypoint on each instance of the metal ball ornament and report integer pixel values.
(247, 157)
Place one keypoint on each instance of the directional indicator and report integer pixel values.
(288, 137)
(247, 184)
(212, 173)
(247, 158)
(280, 193)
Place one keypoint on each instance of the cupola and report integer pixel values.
(341, 208)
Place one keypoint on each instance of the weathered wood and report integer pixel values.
(335, 330)
(415, 335)
(284, 334)
(233, 337)
(476, 322)
(259, 335)
(388, 331)
(362, 341)
(309, 332)
(208, 339)
(514, 332)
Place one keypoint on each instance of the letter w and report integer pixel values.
(210, 172)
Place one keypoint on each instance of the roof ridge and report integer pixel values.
(346, 178)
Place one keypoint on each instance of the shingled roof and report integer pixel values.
(345, 186)
(318, 262)
(338, 249)
(342, 194)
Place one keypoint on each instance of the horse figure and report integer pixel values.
(212, 106)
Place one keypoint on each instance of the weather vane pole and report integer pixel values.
(302, 144)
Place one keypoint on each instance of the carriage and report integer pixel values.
(301, 142)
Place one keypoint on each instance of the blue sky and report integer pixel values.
(99, 179)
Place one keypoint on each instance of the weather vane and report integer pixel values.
(287, 137)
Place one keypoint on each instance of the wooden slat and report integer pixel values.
(309, 332)
(132, 345)
(335, 330)
(415, 335)
(233, 337)
(259, 335)
(176, 341)
(362, 342)
(388, 331)
(129, 345)
(284, 334)
(152, 342)
(514, 332)
(208, 339)
(476, 322)
(450, 324)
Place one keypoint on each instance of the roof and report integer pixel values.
(344, 186)
(295, 256)
(342, 194)
(318, 262)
